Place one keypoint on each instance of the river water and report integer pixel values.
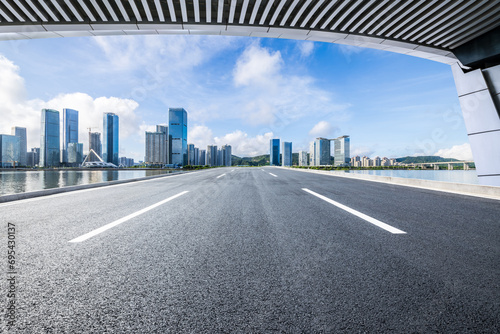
(454, 176)
(12, 182)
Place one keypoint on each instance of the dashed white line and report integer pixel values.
(221, 175)
(124, 219)
(369, 219)
(273, 175)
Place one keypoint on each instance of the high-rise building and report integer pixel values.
(74, 153)
(23, 150)
(312, 153)
(376, 162)
(356, 161)
(302, 158)
(157, 146)
(287, 153)
(10, 151)
(226, 155)
(342, 151)
(212, 155)
(50, 150)
(95, 144)
(33, 157)
(70, 131)
(177, 136)
(126, 162)
(191, 156)
(274, 156)
(203, 156)
(196, 156)
(110, 140)
(322, 152)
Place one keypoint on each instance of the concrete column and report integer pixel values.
(479, 95)
(466, 166)
(450, 167)
(436, 167)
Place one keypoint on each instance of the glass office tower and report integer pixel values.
(50, 151)
(274, 157)
(322, 152)
(177, 136)
(10, 147)
(110, 139)
(342, 151)
(287, 153)
(23, 150)
(70, 131)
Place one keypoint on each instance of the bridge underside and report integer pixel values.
(464, 34)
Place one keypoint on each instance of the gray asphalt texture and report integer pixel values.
(251, 253)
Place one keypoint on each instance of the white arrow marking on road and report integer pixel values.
(273, 175)
(221, 175)
(124, 219)
(369, 219)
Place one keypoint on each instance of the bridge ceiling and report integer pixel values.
(427, 26)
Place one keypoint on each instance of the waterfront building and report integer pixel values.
(196, 156)
(366, 162)
(286, 150)
(177, 136)
(74, 152)
(394, 162)
(342, 151)
(274, 157)
(33, 157)
(126, 162)
(312, 153)
(70, 131)
(10, 151)
(50, 150)
(157, 146)
(191, 155)
(385, 162)
(95, 144)
(212, 155)
(110, 142)
(302, 158)
(23, 149)
(322, 154)
(376, 162)
(202, 158)
(356, 161)
(226, 155)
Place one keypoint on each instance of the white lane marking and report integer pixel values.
(232, 170)
(124, 219)
(221, 175)
(273, 175)
(262, 170)
(369, 219)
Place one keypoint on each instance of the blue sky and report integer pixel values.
(238, 91)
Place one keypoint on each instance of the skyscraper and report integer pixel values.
(302, 158)
(191, 154)
(10, 147)
(23, 149)
(312, 154)
(110, 138)
(203, 156)
(342, 151)
(287, 153)
(70, 131)
(226, 155)
(50, 151)
(196, 156)
(212, 155)
(177, 136)
(322, 152)
(74, 154)
(95, 144)
(274, 157)
(157, 146)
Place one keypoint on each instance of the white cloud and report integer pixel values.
(257, 66)
(200, 136)
(460, 152)
(322, 129)
(306, 48)
(16, 110)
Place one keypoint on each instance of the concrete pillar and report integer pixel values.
(466, 166)
(479, 95)
(450, 166)
(436, 167)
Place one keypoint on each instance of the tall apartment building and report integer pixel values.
(23, 148)
(50, 151)
(302, 158)
(286, 153)
(110, 128)
(177, 136)
(70, 132)
(274, 156)
(342, 151)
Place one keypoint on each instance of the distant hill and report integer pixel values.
(423, 159)
(263, 160)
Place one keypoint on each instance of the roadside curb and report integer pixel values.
(489, 192)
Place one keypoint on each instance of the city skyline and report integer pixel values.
(240, 91)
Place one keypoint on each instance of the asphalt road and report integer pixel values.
(249, 250)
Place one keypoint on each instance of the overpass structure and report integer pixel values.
(462, 33)
(435, 165)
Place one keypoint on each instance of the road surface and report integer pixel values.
(251, 250)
